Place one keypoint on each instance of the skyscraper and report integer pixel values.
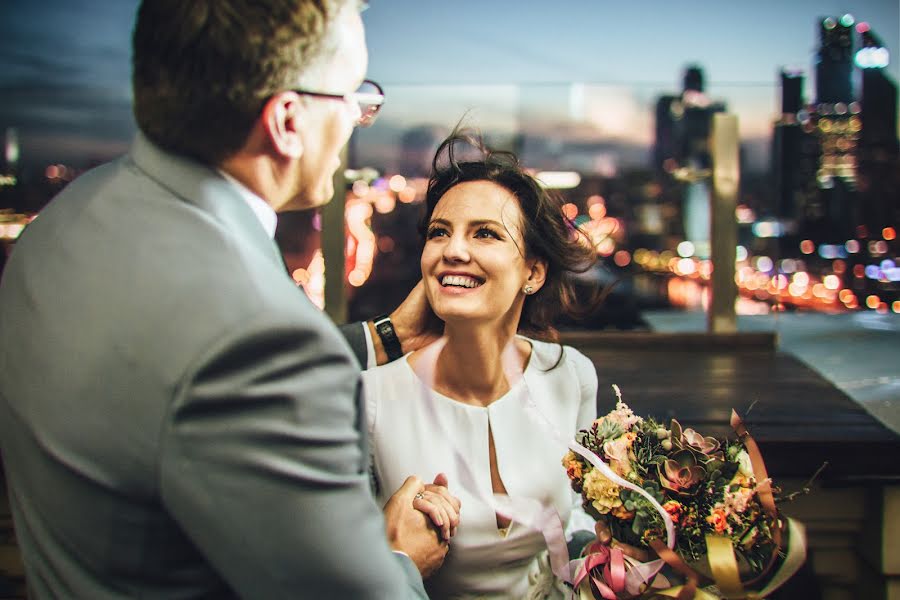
(834, 117)
(795, 153)
(834, 61)
(879, 155)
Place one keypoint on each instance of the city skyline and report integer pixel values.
(68, 94)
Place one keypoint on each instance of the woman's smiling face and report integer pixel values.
(473, 262)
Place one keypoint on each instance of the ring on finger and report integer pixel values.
(420, 496)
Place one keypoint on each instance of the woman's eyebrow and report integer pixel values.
(474, 223)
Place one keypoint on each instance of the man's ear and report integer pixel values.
(537, 274)
(281, 120)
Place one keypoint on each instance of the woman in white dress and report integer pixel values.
(487, 405)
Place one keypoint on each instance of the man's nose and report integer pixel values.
(356, 113)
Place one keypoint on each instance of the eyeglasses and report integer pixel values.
(369, 97)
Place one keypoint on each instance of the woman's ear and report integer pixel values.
(281, 121)
(537, 274)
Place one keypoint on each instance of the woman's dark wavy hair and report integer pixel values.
(548, 233)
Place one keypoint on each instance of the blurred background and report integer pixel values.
(611, 104)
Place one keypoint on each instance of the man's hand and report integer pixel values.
(410, 531)
(414, 322)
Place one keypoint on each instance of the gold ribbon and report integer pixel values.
(793, 560)
(723, 564)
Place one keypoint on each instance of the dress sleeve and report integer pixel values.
(587, 381)
(370, 397)
(580, 526)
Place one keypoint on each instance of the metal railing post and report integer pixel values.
(333, 242)
(721, 317)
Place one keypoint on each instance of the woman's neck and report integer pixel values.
(470, 368)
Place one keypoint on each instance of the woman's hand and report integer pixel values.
(440, 506)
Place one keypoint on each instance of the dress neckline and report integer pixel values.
(513, 389)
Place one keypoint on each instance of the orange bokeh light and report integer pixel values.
(622, 258)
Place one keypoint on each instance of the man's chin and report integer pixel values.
(308, 199)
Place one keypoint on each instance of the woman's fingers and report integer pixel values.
(444, 492)
(451, 503)
(438, 511)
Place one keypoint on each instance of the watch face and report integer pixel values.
(388, 336)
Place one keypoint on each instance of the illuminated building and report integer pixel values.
(795, 153)
(836, 168)
(879, 164)
(832, 212)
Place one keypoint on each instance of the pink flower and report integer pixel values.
(681, 473)
(704, 445)
(689, 439)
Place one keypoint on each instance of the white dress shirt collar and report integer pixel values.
(266, 215)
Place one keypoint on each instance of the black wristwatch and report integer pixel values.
(385, 330)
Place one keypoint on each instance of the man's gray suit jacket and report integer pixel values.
(177, 420)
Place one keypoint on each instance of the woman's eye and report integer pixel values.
(436, 232)
(485, 232)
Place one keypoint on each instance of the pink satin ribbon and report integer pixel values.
(612, 562)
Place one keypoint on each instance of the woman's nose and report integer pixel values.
(456, 249)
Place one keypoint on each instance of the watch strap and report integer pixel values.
(385, 330)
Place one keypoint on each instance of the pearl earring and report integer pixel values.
(528, 290)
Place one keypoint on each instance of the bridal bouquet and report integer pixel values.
(705, 506)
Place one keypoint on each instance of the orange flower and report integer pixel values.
(674, 508)
(718, 520)
(573, 465)
(620, 512)
(574, 470)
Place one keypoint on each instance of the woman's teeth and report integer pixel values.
(459, 281)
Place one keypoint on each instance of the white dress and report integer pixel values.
(417, 431)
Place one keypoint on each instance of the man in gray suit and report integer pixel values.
(177, 419)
